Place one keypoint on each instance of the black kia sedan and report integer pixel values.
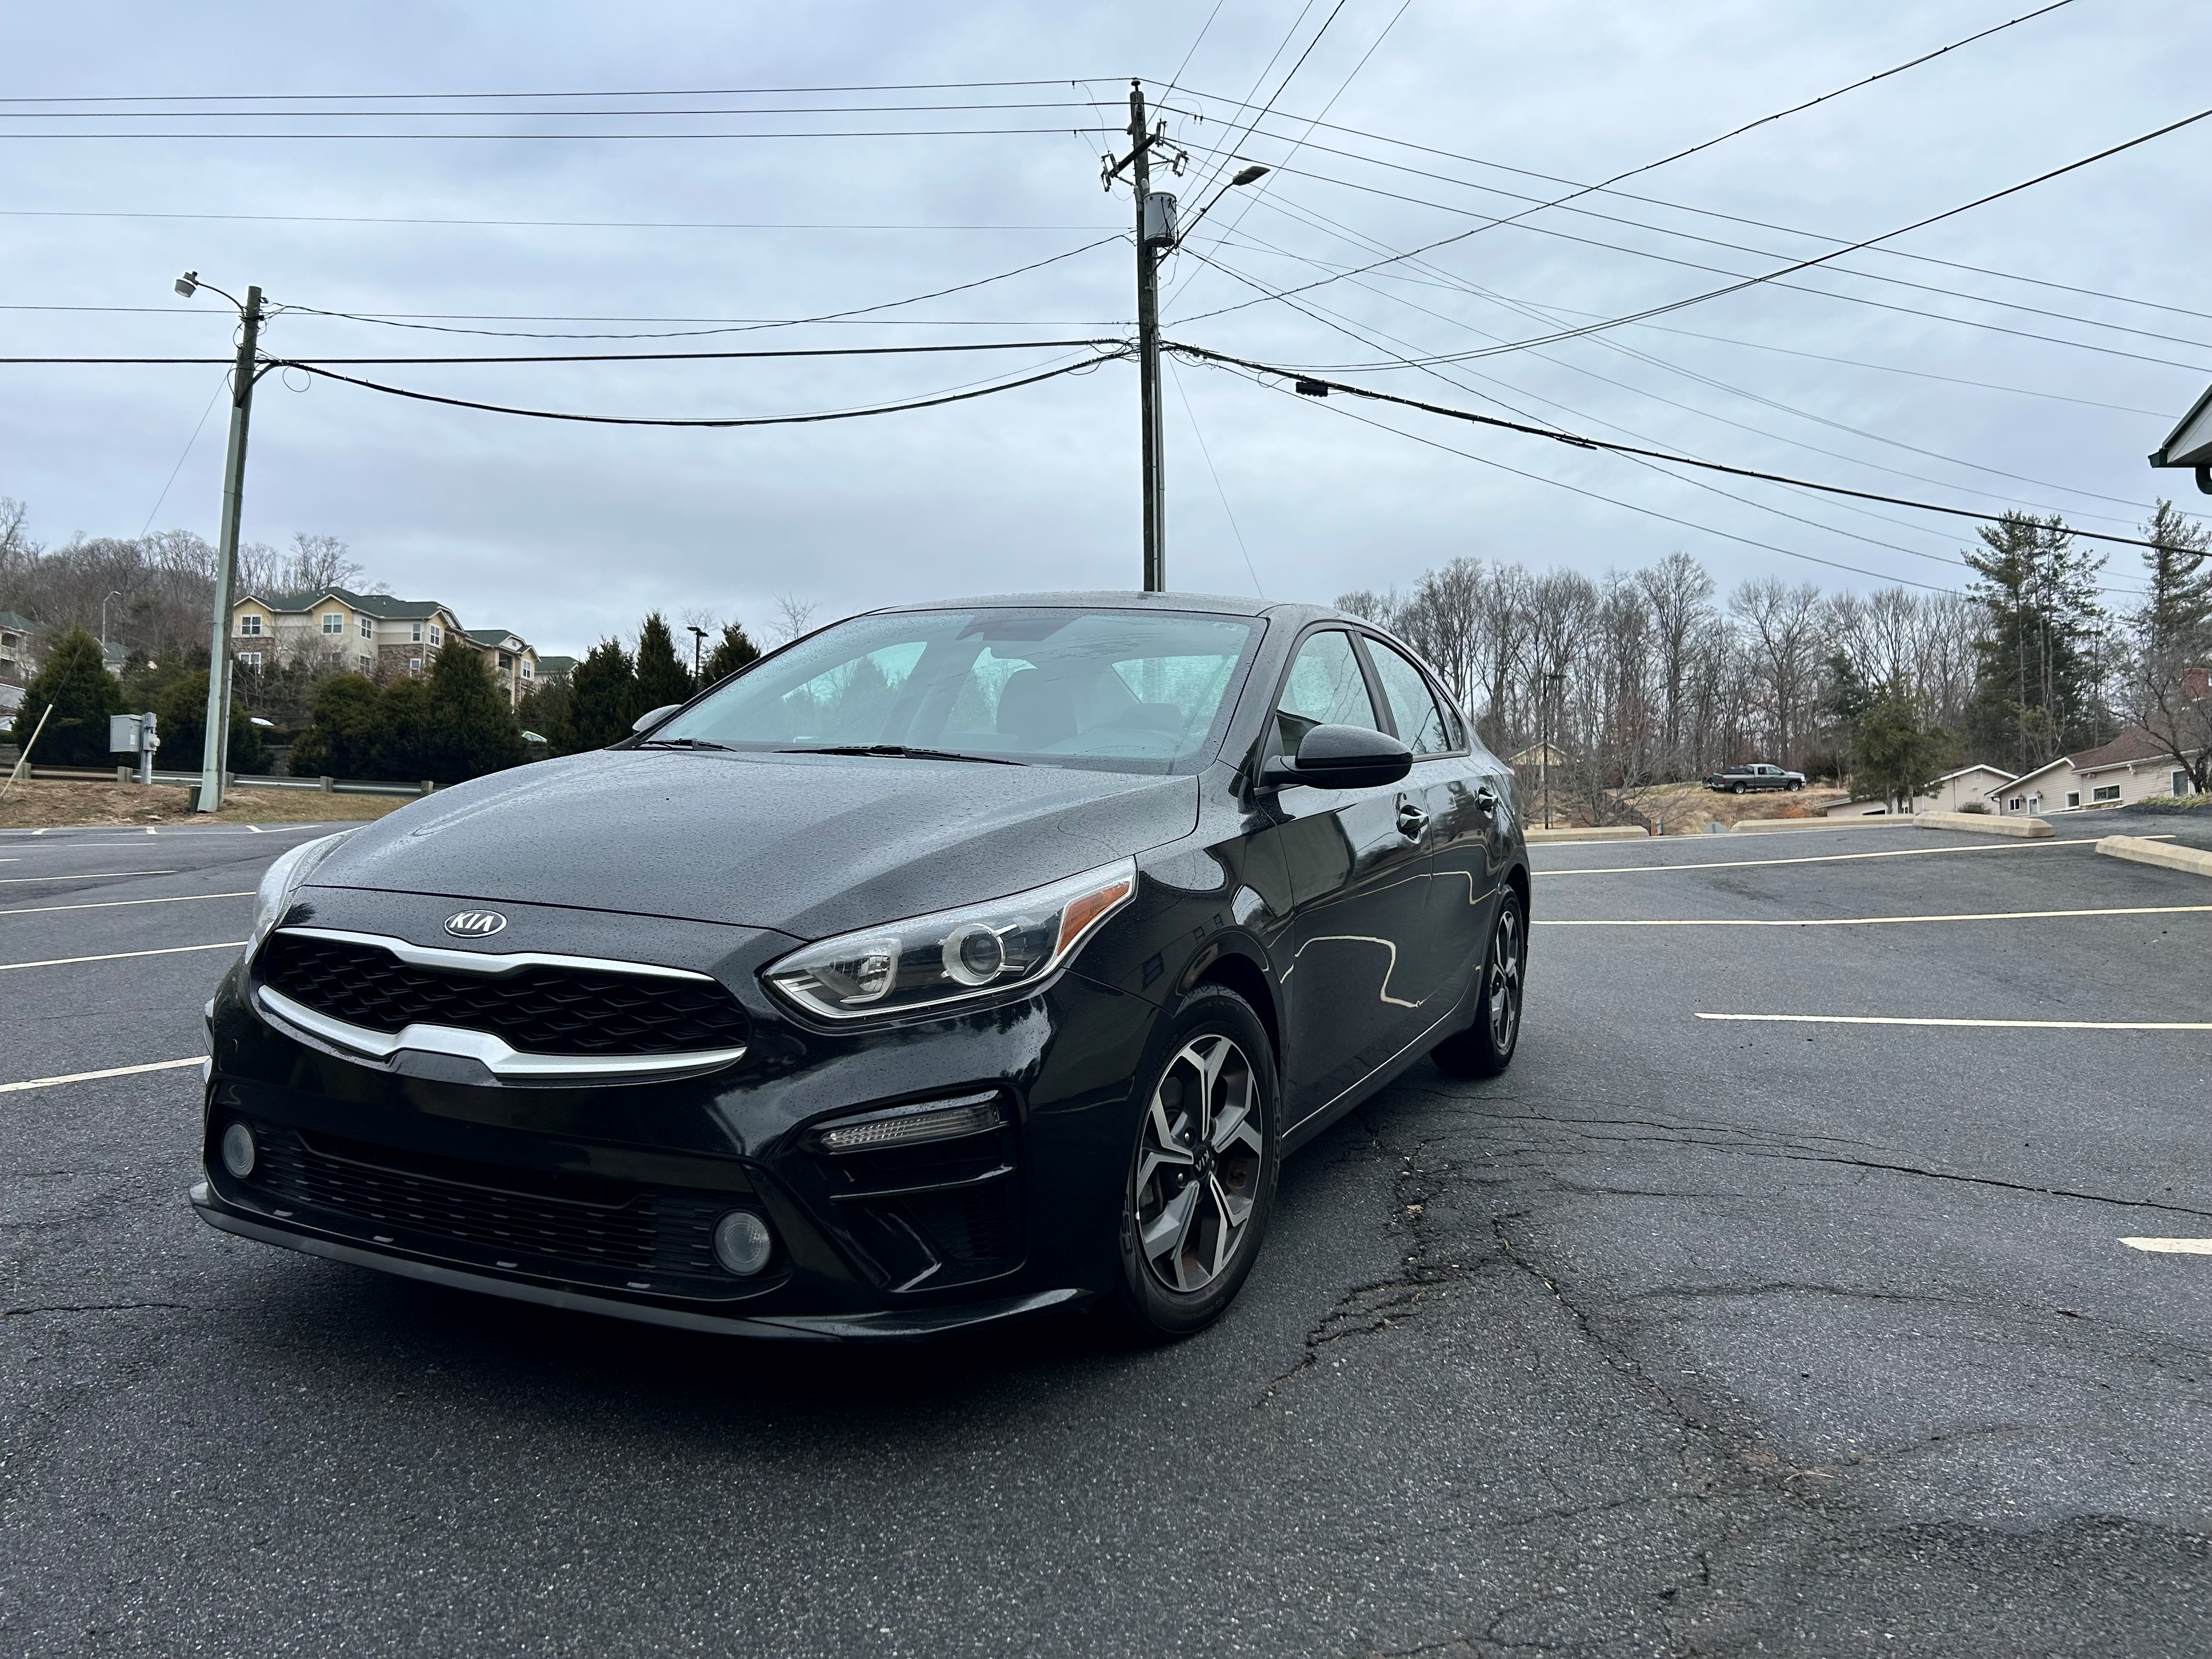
(952, 964)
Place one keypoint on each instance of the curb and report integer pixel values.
(1607, 832)
(2167, 856)
(1984, 824)
(1866, 821)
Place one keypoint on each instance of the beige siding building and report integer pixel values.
(2131, 768)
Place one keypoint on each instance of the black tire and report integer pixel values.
(1171, 1292)
(1486, 1047)
(1735, 789)
(1793, 786)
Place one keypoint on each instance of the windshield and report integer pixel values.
(1124, 691)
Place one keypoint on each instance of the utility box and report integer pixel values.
(126, 733)
(1160, 219)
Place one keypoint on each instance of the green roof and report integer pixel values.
(19, 623)
(555, 667)
(377, 605)
(491, 635)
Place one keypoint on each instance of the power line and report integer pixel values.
(560, 317)
(1522, 224)
(1678, 207)
(438, 97)
(1576, 441)
(932, 402)
(618, 357)
(1788, 269)
(515, 224)
(1214, 473)
(561, 137)
(827, 317)
(1539, 313)
(579, 114)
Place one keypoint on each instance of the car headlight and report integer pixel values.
(973, 954)
(283, 879)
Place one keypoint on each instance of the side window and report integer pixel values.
(1421, 724)
(1325, 688)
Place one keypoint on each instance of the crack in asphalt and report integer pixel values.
(101, 1307)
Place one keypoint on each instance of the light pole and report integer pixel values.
(103, 626)
(1552, 680)
(215, 743)
(698, 641)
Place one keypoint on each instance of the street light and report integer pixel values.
(698, 639)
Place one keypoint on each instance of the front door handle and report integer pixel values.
(1412, 820)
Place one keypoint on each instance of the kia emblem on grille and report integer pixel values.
(475, 924)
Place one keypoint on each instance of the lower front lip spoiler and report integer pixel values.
(892, 1325)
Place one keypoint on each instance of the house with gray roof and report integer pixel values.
(371, 634)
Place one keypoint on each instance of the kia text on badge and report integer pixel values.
(475, 924)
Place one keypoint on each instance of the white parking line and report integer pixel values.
(2172, 1246)
(84, 875)
(1875, 921)
(1994, 1024)
(1831, 858)
(121, 956)
(114, 904)
(89, 1077)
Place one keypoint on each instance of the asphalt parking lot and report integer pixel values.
(1724, 1323)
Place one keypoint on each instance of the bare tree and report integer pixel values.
(792, 614)
(1783, 628)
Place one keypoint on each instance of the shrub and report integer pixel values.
(82, 694)
(1974, 806)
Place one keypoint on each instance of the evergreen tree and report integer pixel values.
(601, 688)
(340, 742)
(471, 728)
(180, 716)
(82, 694)
(2038, 649)
(403, 742)
(2173, 643)
(660, 675)
(1894, 753)
(732, 651)
(544, 710)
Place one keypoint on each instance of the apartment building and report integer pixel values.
(371, 634)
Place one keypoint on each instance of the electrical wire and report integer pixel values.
(1688, 208)
(561, 137)
(221, 385)
(1788, 269)
(440, 97)
(1541, 314)
(563, 114)
(827, 317)
(621, 356)
(1520, 223)
(932, 401)
(1214, 472)
(511, 224)
(1288, 36)
(1579, 441)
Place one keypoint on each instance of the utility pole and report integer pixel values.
(1155, 229)
(698, 642)
(214, 746)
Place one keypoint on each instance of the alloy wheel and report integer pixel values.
(1198, 1162)
(1503, 993)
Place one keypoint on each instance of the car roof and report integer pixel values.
(1128, 599)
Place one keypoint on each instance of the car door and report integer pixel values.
(1462, 801)
(1355, 984)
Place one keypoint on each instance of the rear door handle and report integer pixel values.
(1412, 820)
(1486, 798)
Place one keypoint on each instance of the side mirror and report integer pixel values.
(652, 717)
(1340, 758)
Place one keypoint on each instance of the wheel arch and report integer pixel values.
(1233, 969)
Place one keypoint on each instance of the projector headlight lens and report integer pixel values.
(953, 957)
(743, 1242)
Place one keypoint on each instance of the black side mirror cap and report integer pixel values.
(1340, 758)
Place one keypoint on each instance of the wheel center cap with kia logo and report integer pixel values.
(475, 924)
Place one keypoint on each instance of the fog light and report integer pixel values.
(239, 1151)
(742, 1242)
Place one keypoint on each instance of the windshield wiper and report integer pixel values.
(900, 751)
(680, 743)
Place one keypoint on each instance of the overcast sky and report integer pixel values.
(565, 532)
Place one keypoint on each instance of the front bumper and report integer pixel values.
(885, 1325)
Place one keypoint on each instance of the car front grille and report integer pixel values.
(536, 1010)
(618, 1228)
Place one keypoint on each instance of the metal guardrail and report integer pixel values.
(236, 780)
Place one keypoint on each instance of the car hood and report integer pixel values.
(808, 844)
